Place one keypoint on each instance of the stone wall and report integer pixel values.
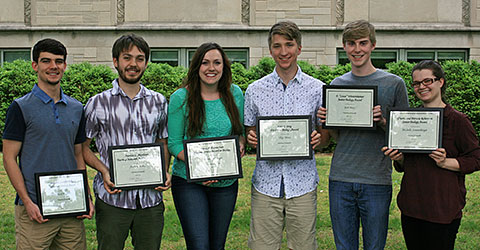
(302, 12)
(319, 47)
(405, 11)
(184, 11)
(475, 12)
(11, 11)
(72, 12)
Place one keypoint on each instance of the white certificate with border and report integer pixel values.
(61, 194)
(213, 158)
(284, 137)
(349, 106)
(137, 166)
(415, 130)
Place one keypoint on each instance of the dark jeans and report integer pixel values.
(204, 212)
(425, 235)
(355, 203)
(114, 224)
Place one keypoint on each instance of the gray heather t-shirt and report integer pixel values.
(358, 157)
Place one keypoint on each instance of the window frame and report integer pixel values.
(402, 54)
(184, 54)
(3, 50)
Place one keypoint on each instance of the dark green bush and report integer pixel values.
(163, 78)
(16, 80)
(84, 80)
(463, 89)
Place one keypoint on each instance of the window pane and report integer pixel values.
(342, 57)
(392, 55)
(381, 58)
(419, 56)
(167, 56)
(190, 56)
(381, 63)
(10, 56)
(451, 55)
(237, 56)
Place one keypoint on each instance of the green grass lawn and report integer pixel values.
(467, 238)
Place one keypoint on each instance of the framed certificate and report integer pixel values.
(416, 130)
(137, 166)
(349, 106)
(213, 158)
(284, 137)
(62, 194)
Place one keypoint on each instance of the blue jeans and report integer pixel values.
(351, 203)
(204, 212)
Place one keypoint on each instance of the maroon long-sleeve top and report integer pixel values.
(431, 193)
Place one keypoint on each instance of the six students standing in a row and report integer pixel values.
(49, 131)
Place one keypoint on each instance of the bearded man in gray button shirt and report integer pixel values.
(126, 114)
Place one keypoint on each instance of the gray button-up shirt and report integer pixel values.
(115, 119)
(268, 97)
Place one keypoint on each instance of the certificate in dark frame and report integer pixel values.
(138, 184)
(437, 140)
(84, 209)
(282, 156)
(238, 161)
(327, 101)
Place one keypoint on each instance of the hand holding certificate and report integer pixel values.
(62, 194)
(349, 106)
(284, 137)
(415, 130)
(212, 158)
(137, 166)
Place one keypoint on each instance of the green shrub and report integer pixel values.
(463, 89)
(240, 76)
(84, 80)
(163, 78)
(16, 80)
(264, 67)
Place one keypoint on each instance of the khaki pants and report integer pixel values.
(59, 233)
(271, 215)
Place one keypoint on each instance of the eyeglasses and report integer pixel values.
(426, 82)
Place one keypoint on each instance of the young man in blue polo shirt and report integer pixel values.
(44, 130)
(284, 191)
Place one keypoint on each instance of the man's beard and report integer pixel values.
(122, 74)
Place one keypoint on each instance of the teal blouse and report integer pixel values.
(217, 123)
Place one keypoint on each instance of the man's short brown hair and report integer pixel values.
(287, 29)
(359, 29)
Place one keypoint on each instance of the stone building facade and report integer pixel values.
(406, 30)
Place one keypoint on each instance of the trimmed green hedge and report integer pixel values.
(84, 80)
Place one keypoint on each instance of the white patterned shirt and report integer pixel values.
(114, 119)
(268, 97)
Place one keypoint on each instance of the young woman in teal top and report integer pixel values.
(207, 105)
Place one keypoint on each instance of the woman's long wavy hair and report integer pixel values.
(195, 104)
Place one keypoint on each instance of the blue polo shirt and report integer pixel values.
(48, 132)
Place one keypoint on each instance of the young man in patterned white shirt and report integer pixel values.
(284, 191)
(126, 114)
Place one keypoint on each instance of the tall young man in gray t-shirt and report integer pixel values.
(360, 186)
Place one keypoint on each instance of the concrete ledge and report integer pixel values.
(233, 27)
